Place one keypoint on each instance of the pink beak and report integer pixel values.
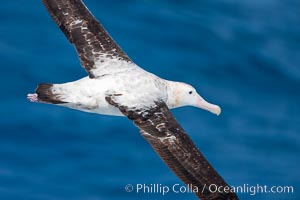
(201, 103)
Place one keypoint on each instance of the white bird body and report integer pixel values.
(137, 87)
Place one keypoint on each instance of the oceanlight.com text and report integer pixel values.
(213, 188)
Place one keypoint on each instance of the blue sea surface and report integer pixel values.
(242, 55)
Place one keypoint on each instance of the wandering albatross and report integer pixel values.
(115, 85)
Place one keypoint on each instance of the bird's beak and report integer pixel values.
(201, 103)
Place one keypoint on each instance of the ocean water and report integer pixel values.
(242, 55)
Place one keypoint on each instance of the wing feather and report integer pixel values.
(159, 127)
(93, 44)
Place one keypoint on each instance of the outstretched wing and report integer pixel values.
(93, 44)
(158, 126)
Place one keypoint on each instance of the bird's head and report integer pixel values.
(182, 94)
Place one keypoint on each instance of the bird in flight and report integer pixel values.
(115, 85)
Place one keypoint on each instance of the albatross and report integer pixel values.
(115, 85)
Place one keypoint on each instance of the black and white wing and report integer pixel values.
(93, 44)
(159, 127)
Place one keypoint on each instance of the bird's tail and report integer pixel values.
(44, 93)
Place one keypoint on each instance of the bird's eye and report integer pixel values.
(190, 92)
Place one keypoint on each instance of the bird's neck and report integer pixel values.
(173, 100)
